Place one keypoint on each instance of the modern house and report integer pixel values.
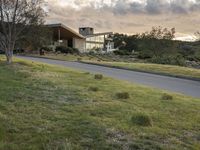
(86, 40)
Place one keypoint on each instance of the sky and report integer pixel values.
(127, 16)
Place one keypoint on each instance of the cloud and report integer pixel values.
(132, 6)
(156, 6)
(128, 16)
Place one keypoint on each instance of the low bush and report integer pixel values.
(123, 95)
(186, 50)
(195, 57)
(2, 52)
(167, 97)
(170, 60)
(93, 89)
(76, 51)
(67, 50)
(91, 52)
(122, 52)
(142, 120)
(48, 49)
(145, 54)
(79, 59)
(98, 76)
(19, 50)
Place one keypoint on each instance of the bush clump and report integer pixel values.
(79, 59)
(98, 76)
(76, 51)
(145, 54)
(122, 52)
(67, 50)
(123, 95)
(45, 48)
(170, 60)
(142, 120)
(167, 97)
(93, 89)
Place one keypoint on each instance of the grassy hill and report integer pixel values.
(50, 107)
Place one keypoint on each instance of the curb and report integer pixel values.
(43, 58)
(117, 67)
(142, 71)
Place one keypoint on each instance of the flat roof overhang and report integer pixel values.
(61, 32)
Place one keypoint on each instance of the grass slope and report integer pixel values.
(48, 107)
(157, 68)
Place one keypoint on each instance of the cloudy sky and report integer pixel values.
(127, 16)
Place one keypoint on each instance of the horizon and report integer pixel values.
(128, 16)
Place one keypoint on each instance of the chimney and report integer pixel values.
(86, 31)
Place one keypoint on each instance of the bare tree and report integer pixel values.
(15, 17)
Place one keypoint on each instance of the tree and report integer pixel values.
(35, 38)
(197, 34)
(15, 17)
(157, 39)
(125, 42)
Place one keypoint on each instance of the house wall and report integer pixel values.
(79, 44)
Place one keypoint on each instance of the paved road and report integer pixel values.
(187, 87)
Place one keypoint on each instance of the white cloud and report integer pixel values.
(127, 16)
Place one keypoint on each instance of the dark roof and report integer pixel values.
(66, 32)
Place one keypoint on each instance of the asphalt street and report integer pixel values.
(184, 86)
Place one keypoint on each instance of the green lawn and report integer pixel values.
(157, 68)
(51, 108)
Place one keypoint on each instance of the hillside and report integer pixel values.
(50, 107)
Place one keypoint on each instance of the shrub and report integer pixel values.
(91, 52)
(2, 52)
(48, 49)
(98, 76)
(142, 120)
(167, 97)
(79, 59)
(63, 49)
(93, 89)
(123, 95)
(188, 48)
(67, 50)
(19, 50)
(122, 52)
(76, 51)
(171, 60)
(145, 54)
(195, 57)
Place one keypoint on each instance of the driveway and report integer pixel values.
(184, 86)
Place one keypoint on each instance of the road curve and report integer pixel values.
(184, 86)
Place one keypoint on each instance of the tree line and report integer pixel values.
(158, 46)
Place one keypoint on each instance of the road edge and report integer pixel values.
(142, 71)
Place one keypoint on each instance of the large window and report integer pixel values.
(97, 42)
(90, 46)
(99, 38)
